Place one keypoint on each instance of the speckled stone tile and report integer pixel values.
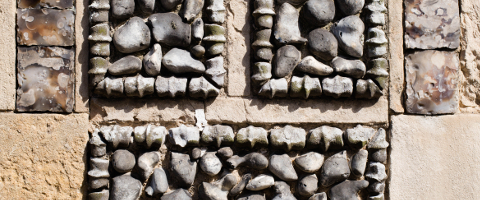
(45, 79)
(49, 27)
(62, 4)
(431, 24)
(432, 82)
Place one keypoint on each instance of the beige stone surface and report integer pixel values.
(42, 156)
(470, 57)
(238, 47)
(231, 110)
(395, 39)
(150, 110)
(81, 63)
(435, 157)
(7, 55)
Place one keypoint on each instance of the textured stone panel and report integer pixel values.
(435, 157)
(42, 156)
(432, 24)
(81, 61)
(7, 52)
(62, 4)
(396, 57)
(432, 82)
(45, 79)
(45, 27)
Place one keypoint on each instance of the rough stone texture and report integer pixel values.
(7, 42)
(45, 27)
(434, 157)
(45, 79)
(43, 156)
(45, 4)
(395, 42)
(470, 60)
(432, 82)
(238, 47)
(81, 53)
(432, 24)
(215, 110)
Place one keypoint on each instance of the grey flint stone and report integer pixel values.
(225, 153)
(274, 88)
(210, 164)
(169, 5)
(325, 138)
(152, 61)
(263, 54)
(282, 191)
(183, 136)
(288, 138)
(262, 39)
(367, 89)
(155, 136)
(191, 8)
(138, 86)
(198, 51)
(171, 87)
(218, 135)
(378, 70)
(310, 162)
(349, 33)
(125, 187)
(125, 66)
(262, 72)
(252, 196)
(110, 87)
(347, 190)
(322, 44)
(376, 172)
(201, 88)
(214, 39)
(312, 66)
(123, 161)
(133, 36)
(215, 70)
(319, 196)
(376, 42)
(378, 155)
(197, 29)
(98, 183)
(100, 49)
(197, 153)
(359, 163)
(117, 136)
(147, 6)
(253, 160)
(169, 29)
(98, 69)
(337, 87)
(376, 197)
(319, 12)
(260, 182)
(100, 33)
(335, 169)
(305, 87)
(146, 163)
(158, 183)
(216, 11)
(349, 67)
(183, 169)
(102, 195)
(359, 136)
(350, 7)
(98, 168)
(237, 189)
(286, 30)
(122, 9)
(252, 137)
(376, 187)
(217, 190)
(282, 167)
(263, 14)
(377, 9)
(178, 194)
(307, 185)
(98, 148)
(179, 61)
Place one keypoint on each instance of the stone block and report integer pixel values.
(81, 63)
(396, 57)
(62, 4)
(432, 24)
(434, 157)
(45, 79)
(432, 82)
(43, 156)
(221, 110)
(49, 27)
(8, 55)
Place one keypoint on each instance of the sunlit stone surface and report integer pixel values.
(45, 79)
(50, 27)
(432, 82)
(62, 4)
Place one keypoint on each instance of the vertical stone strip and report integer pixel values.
(397, 74)
(7, 60)
(81, 63)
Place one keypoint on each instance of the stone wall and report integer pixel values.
(59, 139)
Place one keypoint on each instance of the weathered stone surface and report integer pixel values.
(122, 9)
(214, 39)
(180, 61)
(198, 51)
(426, 24)
(147, 6)
(117, 136)
(347, 190)
(319, 196)
(201, 88)
(133, 36)
(98, 168)
(217, 190)
(310, 162)
(396, 59)
(169, 29)
(252, 196)
(49, 27)
(367, 89)
(359, 162)
(45, 4)
(100, 49)
(263, 14)
(183, 170)
(146, 163)
(335, 169)
(215, 110)
(171, 87)
(100, 33)
(225, 153)
(110, 87)
(184, 136)
(102, 195)
(432, 82)
(274, 88)
(260, 182)
(319, 12)
(215, 71)
(169, 5)
(218, 135)
(325, 138)
(337, 87)
(45, 79)
(286, 30)
(378, 70)
(210, 164)
(197, 153)
(376, 187)
(98, 148)
(126, 65)
(376, 197)
(282, 167)
(350, 7)
(138, 86)
(253, 160)
(191, 8)
(240, 185)
(307, 185)
(123, 161)
(312, 66)
(444, 145)
(152, 61)
(349, 33)
(288, 138)
(197, 29)
(305, 87)
(252, 137)
(379, 141)
(376, 43)
(8, 43)
(376, 9)
(282, 191)
(158, 183)
(378, 155)
(216, 11)
(359, 136)
(178, 194)
(125, 187)
(376, 172)
(349, 67)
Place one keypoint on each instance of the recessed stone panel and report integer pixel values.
(432, 82)
(45, 79)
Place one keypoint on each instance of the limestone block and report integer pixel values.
(49, 27)
(43, 156)
(81, 61)
(396, 57)
(8, 52)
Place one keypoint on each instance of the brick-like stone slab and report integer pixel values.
(7, 55)
(81, 63)
(435, 157)
(42, 156)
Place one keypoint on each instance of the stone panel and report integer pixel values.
(42, 156)
(435, 157)
(397, 73)
(62, 4)
(81, 63)
(7, 52)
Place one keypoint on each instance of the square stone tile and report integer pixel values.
(49, 27)
(432, 82)
(62, 4)
(45, 79)
(431, 24)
